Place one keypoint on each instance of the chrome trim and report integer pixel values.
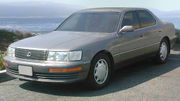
(31, 54)
(135, 49)
(31, 48)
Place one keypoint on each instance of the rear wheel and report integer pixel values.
(163, 52)
(100, 71)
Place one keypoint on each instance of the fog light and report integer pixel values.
(5, 63)
(65, 69)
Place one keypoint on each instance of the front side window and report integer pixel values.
(146, 19)
(92, 22)
(130, 19)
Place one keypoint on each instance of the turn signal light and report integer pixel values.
(5, 63)
(65, 69)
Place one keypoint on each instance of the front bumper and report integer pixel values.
(41, 70)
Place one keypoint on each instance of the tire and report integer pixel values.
(100, 72)
(163, 52)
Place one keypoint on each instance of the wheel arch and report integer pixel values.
(106, 53)
(168, 40)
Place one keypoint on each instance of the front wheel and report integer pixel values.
(100, 72)
(163, 52)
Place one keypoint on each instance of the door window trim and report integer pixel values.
(149, 14)
(141, 28)
(133, 11)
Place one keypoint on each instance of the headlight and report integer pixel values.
(65, 56)
(75, 55)
(51, 56)
(11, 52)
(61, 56)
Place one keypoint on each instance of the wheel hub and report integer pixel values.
(163, 51)
(101, 71)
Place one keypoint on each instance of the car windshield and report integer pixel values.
(91, 22)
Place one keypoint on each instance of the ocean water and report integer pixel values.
(45, 25)
(175, 21)
(36, 25)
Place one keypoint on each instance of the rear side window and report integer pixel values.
(130, 18)
(146, 18)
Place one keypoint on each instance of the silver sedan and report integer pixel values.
(89, 45)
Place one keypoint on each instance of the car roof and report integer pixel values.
(111, 9)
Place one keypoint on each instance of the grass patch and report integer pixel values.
(7, 38)
(178, 35)
(2, 54)
(178, 32)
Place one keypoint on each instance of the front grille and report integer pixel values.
(56, 76)
(53, 76)
(31, 54)
(12, 71)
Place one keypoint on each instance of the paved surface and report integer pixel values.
(143, 81)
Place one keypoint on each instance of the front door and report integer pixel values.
(130, 43)
(152, 33)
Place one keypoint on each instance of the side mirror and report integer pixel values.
(127, 29)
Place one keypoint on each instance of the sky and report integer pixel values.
(163, 5)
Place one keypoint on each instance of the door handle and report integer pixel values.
(160, 31)
(141, 36)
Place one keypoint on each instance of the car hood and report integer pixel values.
(61, 40)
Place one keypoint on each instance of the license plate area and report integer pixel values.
(25, 70)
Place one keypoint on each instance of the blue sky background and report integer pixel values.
(34, 15)
(163, 5)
